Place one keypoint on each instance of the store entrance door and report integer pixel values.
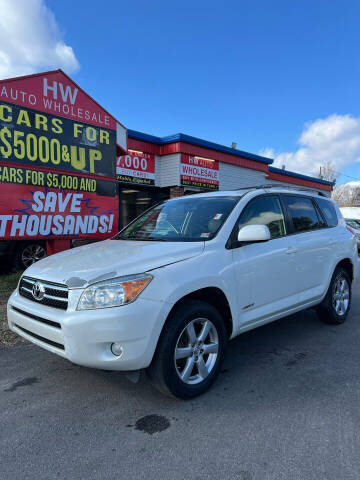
(135, 200)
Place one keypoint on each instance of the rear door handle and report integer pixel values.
(332, 242)
(291, 250)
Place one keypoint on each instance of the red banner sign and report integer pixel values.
(136, 167)
(29, 212)
(57, 161)
(199, 172)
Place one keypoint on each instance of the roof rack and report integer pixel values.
(252, 187)
(303, 189)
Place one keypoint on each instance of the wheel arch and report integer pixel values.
(348, 266)
(213, 296)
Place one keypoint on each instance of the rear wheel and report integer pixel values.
(337, 302)
(190, 350)
(28, 253)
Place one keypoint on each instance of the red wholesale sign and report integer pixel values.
(56, 94)
(199, 172)
(136, 167)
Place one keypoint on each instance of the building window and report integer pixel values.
(134, 201)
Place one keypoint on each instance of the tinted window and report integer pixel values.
(302, 213)
(328, 211)
(264, 211)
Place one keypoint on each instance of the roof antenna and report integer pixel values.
(233, 145)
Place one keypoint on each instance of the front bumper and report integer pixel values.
(84, 337)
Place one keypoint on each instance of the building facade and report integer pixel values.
(158, 168)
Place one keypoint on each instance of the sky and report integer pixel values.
(280, 78)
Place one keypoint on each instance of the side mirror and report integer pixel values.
(254, 233)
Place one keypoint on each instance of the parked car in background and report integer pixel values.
(168, 292)
(355, 226)
(20, 254)
(352, 219)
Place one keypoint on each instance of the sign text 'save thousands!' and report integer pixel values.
(199, 172)
(45, 161)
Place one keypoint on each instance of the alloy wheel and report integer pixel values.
(341, 296)
(196, 351)
(32, 253)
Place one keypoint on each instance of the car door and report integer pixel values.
(312, 243)
(264, 271)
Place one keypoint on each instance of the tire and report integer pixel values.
(337, 302)
(186, 323)
(28, 253)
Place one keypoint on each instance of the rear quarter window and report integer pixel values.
(329, 212)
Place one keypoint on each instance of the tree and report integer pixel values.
(327, 172)
(347, 195)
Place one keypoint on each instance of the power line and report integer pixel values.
(344, 175)
(348, 176)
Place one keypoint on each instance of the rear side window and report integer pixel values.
(329, 212)
(302, 213)
(264, 211)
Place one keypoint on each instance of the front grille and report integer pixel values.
(37, 318)
(56, 295)
(39, 337)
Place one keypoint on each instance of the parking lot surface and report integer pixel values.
(285, 406)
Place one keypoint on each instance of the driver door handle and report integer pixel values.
(291, 250)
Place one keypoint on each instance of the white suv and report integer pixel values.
(169, 291)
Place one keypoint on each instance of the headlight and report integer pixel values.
(113, 293)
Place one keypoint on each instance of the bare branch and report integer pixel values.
(347, 195)
(327, 172)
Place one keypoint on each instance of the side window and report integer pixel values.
(302, 213)
(264, 211)
(328, 211)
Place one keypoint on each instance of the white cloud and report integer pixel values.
(332, 140)
(30, 40)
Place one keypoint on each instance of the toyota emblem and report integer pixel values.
(38, 291)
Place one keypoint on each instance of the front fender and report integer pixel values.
(178, 280)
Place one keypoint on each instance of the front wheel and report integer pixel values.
(190, 350)
(336, 304)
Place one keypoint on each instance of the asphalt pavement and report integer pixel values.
(285, 406)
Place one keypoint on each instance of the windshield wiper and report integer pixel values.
(142, 239)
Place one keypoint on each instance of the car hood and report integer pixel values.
(79, 267)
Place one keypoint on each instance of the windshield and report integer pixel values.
(181, 220)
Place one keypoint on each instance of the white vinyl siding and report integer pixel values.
(232, 177)
(167, 170)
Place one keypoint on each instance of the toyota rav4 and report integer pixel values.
(170, 289)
